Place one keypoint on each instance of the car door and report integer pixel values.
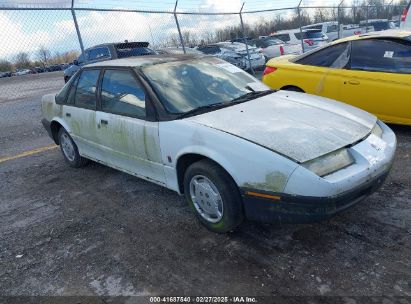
(79, 112)
(321, 71)
(379, 79)
(128, 140)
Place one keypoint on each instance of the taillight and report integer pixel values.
(282, 50)
(269, 70)
(309, 42)
(357, 33)
(404, 14)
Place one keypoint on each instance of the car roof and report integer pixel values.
(381, 34)
(139, 61)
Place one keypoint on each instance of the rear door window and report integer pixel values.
(122, 94)
(99, 53)
(283, 37)
(377, 55)
(335, 56)
(85, 95)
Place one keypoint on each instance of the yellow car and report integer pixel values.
(370, 71)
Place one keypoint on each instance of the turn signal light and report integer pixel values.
(269, 70)
(309, 42)
(404, 15)
(281, 50)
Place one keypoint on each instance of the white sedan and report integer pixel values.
(206, 129)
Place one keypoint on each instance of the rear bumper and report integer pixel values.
(47, 125)
(305, 209)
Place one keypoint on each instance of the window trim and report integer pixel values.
(138, 81)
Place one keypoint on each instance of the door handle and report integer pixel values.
(354, 82)
(104, 122)
(68, 114)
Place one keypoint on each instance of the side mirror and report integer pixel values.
(75, 62)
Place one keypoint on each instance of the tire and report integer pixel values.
(70, 150)
(229, 200)
(293, 89)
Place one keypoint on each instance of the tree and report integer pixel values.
(43, 55)
(22, 60)
(5, 65)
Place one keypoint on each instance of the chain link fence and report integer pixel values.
(38, 43)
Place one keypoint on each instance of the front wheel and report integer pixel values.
(69, 149)
(213, 195)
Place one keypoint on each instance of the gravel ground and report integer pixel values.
(97, 231)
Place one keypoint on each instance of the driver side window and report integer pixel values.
(122, 94)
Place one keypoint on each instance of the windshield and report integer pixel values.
(186, 85)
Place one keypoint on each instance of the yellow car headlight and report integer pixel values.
(330, 162)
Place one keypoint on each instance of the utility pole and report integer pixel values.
(244, 38)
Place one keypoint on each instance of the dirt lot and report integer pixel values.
(97, 231)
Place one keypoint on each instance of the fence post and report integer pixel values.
(80, 40)
(178, 28)
(366, 22)
(301, 24)
(244, 38)
(339, 19)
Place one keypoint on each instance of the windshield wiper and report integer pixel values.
(243, 98)
(251, 95)
(203, 109)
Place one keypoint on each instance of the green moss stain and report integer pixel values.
(274, 181)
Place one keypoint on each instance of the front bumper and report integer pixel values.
(305, 209)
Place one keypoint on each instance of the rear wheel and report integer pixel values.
(213, 195)
(70, 150)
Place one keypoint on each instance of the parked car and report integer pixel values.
(5, 74)
(23, 72)
(206, 129)
(331, 29)
(235, 53)
(376, 25)
(406, 18)
(311, 38)
(371, 71)
(108, 51)
(273, 47)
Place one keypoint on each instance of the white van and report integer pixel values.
(406, 18)
(312, 38)
(330, 28)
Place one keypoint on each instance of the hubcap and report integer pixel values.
(206, 198)
(67, 146)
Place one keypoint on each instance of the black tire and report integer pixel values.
(293, 89)
(232, 215)
(77, 161)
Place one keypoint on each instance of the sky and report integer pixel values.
(29, 29)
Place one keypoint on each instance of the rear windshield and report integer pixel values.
(138, 51)
(310, 35)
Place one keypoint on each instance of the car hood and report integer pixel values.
(296, 125)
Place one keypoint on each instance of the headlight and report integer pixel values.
(330, 162)
(377, 131)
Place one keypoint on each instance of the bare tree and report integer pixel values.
(5, 65)
(22, 60)
(43, 55)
